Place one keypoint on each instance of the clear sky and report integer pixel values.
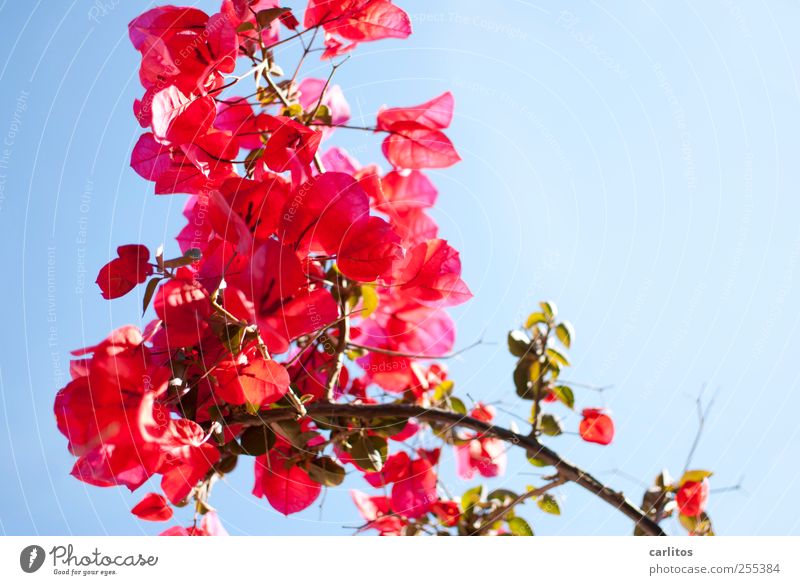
(637, 163)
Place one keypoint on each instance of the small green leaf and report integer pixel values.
(537, 462)
(534, 319)
(696, 475)
(519, 527)
(472, 496)
(522, 382)
(518, 343)
(443, 390)
(369, 451)
(548, 504)
(149, 292)
(550, 425)
(565, 395)
(549, 309)
(457, 405)
(557, 357)
(565, 333)
(326, 471)
(369, 300)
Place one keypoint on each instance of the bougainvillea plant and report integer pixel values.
(302, 327)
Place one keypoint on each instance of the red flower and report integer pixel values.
(153, 507)
(596, 427)
(258, 382)
(376, 510)
(414, 494)
(356, 21)
(415, 140)
(447, 511)
(692, 497)
(122, 274)
(290, 142)
(287, 487)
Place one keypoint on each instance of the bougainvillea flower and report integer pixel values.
(376, 510)
(486, 456)
(338, 108)
(356, 21)
(447, 511)
(258, 382)
(153, 507)
(188, 458)
(596, 427)
(184, 46)
(435, 114)
(414, 494)
(123, 273)
(369, 250)
(290, 141)
(183, 307)
(692, 497)
(394, 469)
(431, 274)
(288, 487)
(415, 139)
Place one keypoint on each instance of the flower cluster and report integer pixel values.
(304, 279)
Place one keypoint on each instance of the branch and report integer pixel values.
(565, 469)
(534, 493)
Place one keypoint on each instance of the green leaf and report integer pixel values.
(257, 440)
(549, 309)
(538, 462)
(369, 451)
(386, 427)
(326, 471)
(565, 333)
(548, 504)
(443, 390)
(565, 395)
(557, 357)
(148, 293)
(522, 382)
(472, 496)
(518, 343)
(369, 300)
(534, 319)
(535, 371)
(519, 527)
(696, 475)
(232, 337)
(457, 405)
(550, 425)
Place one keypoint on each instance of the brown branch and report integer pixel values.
(566, 470)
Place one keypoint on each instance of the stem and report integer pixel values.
(534, 493)
(566, 470)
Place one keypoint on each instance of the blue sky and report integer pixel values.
(637, 164)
